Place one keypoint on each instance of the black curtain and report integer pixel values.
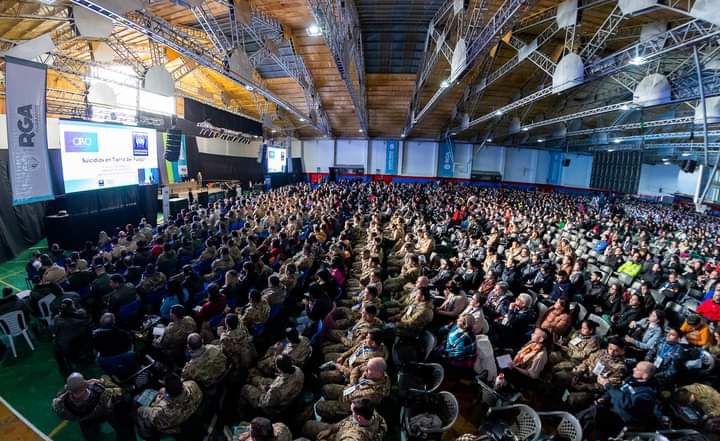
(21, 226)
(221, 167)
(199, 112)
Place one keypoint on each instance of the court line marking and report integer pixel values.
(10, 285)
(58, 428)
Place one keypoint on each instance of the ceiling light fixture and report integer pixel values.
(611, 150)
(249, 87)
(686, 154)
(360, 130)
(445, 84)
(489, 140)
(617, 140)
(624, 107)
(637, 61)
(541, 140)
(314, 30)
(302, 119)
(499, 113)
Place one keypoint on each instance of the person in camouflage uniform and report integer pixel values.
(295, 346)
(237, 343)
(172, 407)
(351, 363)
(345, 316)
(172, 343)
(345, 339)
(91, 403)
(274, 394)
(261, 429)
(415, 317)
(365, 424)
(581, 346)
(256, 312)
(274, 294)
(207, 364)
(584, 385)
(373, 384)
(152, 281)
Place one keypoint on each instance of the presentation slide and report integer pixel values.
(276, 160)
(98, 156)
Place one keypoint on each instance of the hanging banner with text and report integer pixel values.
(446, 160)
(392, 149)
(25, 85)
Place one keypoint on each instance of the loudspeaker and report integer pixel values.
(566, 162)
(333, 174)
(148, 202)
(688, 166)
(172, 145)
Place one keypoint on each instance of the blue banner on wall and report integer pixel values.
(446, 160)
(391, 157)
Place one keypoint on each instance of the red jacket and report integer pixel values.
(710, 310)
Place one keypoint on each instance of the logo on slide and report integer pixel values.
(81, 142)
(140, 144)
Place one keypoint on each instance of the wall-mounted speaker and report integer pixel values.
(566, 162)
(688, 166)
(172, 145)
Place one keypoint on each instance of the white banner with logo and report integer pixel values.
(25, 85)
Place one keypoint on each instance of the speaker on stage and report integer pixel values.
(333, 174)
(172, 145)
(202, 197)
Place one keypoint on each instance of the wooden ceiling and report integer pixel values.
(393, 31)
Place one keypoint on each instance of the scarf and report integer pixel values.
(527, 354)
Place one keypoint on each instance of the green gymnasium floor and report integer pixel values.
(29, 382)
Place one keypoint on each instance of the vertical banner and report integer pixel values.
(392, 149)
(25, 85)
(166, 204)
(446, 160)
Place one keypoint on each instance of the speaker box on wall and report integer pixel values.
(689, 166)
(172, 145)
(566, 163)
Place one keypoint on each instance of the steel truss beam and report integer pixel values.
(693, 32)
(608, 27)
(126, 54)
(548, 14)
(162, 32)
(664, 135)
(537, 57)
(341, 30)
(499, 22)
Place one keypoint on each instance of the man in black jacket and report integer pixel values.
(632, 405)
(108, 339)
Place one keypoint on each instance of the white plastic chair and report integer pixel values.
(603, 326)
(13, 324)
(44, 307)
(568, 428)
(526, 424)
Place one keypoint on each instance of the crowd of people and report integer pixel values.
(288, 310)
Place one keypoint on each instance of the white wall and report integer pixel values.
(377, 157)
(351, 152)
(579, 171)
(419, 158)
(666, 179)
(489, 158)
(226, 148)
(659, 179)
(521, 165)
(463, 160)
(318, 155)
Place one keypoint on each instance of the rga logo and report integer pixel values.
(26, 126)
(81, 142)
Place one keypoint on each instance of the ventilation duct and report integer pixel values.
(653, 90)
(570, 72)
(158, 80)
(634, 6)
(92, 25)
(712, 105)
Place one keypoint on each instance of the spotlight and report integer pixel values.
(489, 140)
(314, 30)
(360, 130)
(637, 61)
(499, 113)
(249, 87)
(445, 84)
(525, 129)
